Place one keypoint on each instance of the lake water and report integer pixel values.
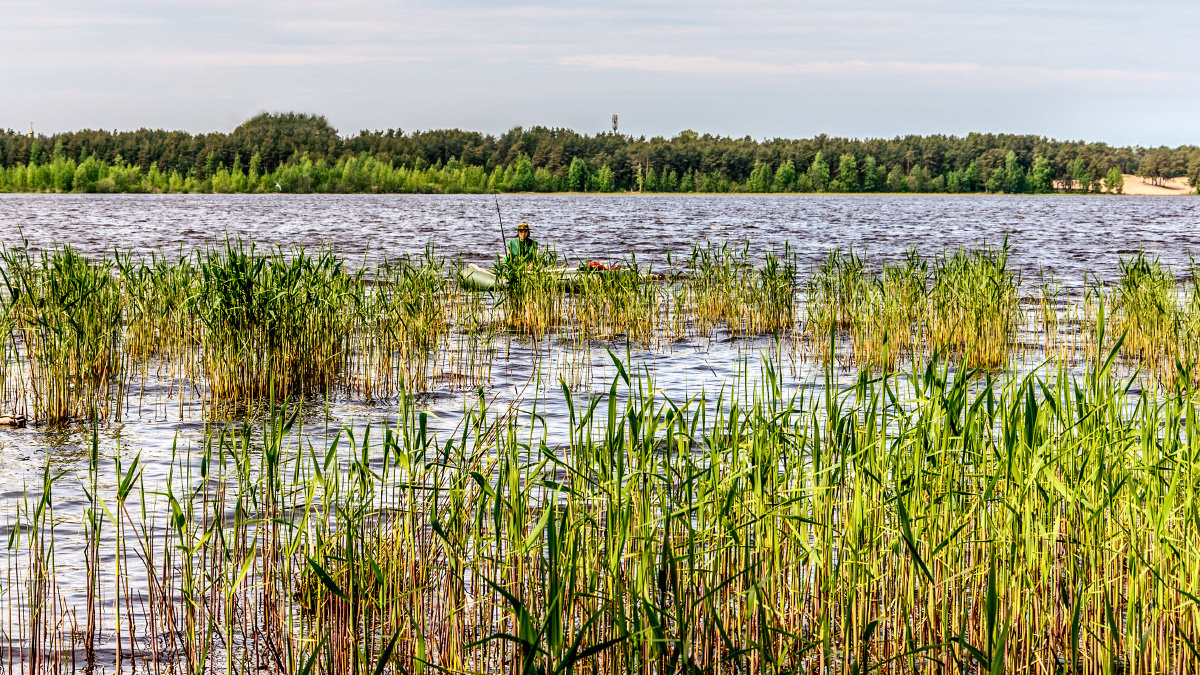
(1073, 238)
(1070, 236)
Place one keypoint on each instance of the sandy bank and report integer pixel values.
(1171, 186)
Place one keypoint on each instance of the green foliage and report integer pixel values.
(577, 175)
(604, 179)
(272, 147)
(874, 176)
(1081, 178)
(760, 178)
(1041, 176)
(1014, 174)
(997, 181)
(848, 173)
(1114, 182)
(818, 173)
(277, 137)
(970, 178)
(651, 183)
(785, 177)
(523, 178)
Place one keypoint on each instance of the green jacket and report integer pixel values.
(520, 251)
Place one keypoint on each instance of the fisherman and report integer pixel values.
(521, 249)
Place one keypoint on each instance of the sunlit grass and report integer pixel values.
(945, 522)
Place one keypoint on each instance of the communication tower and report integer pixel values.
(614, 123)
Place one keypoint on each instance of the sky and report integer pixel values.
(1119, 72)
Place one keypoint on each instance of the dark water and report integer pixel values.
(1071, 237)
(1068, 235)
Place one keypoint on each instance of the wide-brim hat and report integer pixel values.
(523, 227)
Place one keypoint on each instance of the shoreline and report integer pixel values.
(1178, 186)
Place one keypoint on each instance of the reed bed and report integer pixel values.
(964, 305)
(937, 522)
(611, 304)
(64, 315)
(721, 288)
(405, 318)
(1145, 311)
(533, 295)
(941, 513)
(889, 322)
(836, 293)
(237, 324)
(974, 306)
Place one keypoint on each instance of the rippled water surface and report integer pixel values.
(1068, 235)
(1074, 238)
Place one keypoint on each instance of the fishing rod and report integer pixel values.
(503, 239)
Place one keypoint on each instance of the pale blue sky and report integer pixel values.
(1121, 72)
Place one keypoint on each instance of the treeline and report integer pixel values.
(302, 153)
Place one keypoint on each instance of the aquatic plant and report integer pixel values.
(402, 318)
(894, 308)
(835, 294)
(1145, 309)
(273, 324)
(974, 306)
(943, 522)
(66, 314)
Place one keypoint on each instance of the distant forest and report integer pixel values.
(293, 152)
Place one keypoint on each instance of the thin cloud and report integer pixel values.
(193, 60)
(712, 65)
(709, 65)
